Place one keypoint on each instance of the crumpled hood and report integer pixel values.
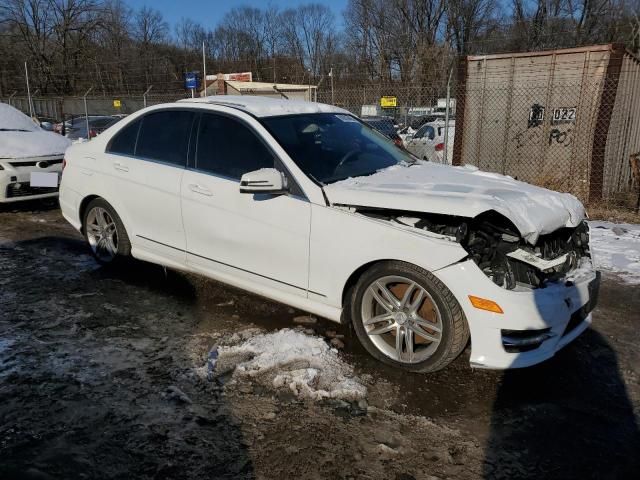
(38, 143)
(461, 191)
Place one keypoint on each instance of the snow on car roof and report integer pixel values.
(13, 119)
(20, 137)
(265, 106)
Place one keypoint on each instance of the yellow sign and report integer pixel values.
(117, 103)
(388, 102)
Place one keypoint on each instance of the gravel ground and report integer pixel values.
(104, 373)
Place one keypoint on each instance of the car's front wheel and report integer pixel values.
(105, 232)
(405, 317)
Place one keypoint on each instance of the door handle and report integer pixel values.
(120, 166)
(194, 187)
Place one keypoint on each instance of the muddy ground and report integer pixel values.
(101, 377)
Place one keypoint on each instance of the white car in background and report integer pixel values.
(305, 204)
(30, 157)
(427, 143)
(404, 133)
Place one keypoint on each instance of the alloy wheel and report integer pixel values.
(401, 319)
(102, 234)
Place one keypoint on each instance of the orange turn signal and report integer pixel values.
(484, 304)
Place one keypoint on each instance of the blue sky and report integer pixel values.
(209, 12)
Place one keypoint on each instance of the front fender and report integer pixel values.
(343, 242)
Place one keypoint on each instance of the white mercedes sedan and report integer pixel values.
(306, 205)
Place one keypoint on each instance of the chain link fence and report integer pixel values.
(573, 133)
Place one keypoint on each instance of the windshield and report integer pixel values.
(330, 147)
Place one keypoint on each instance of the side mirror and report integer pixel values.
(265, 180)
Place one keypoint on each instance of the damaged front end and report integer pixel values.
(496, 246)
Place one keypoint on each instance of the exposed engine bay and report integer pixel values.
(496, 246)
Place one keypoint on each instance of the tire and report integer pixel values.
(105, 252)
(382, 325)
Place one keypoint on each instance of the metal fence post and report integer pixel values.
(144, 96)
(26, 73)
(446, 120)
(86, 113)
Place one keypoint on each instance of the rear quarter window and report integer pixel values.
(124, 142)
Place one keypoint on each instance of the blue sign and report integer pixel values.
(190, 80)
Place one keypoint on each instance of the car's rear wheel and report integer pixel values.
(105, 232)
(405, 317)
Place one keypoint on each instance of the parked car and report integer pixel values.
(417, 121)
(427, 143)
(30, 158)
(303, 204)
(405, 132)
(385, 126)
(77, 127)
(46, 123)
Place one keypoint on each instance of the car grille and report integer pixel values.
(21, 190)
(33, 163)
(574, 242)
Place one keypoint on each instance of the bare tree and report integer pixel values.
(467, 20)
(149, 29)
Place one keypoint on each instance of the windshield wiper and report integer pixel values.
(13, 130)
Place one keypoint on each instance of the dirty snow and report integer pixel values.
(616, 249)
(464, 191)
(5, 344)
(32, 142)
(290, 359)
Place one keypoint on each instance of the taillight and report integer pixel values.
(92, 133)
(398, 141)
(440, 147)
(64, 163)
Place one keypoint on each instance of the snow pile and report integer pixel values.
(616, 248)
(291, 359)
(20, 137)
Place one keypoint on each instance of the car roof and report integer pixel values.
(266, 106)
(382, 121)
(439, 123)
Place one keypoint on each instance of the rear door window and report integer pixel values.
(164, 136)
(227, 147)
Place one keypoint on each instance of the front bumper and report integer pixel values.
(16, 174)
(558, 314)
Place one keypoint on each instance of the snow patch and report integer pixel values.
(290, 359)
(616, 249)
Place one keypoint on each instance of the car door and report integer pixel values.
(260, 239)
(147, 160)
